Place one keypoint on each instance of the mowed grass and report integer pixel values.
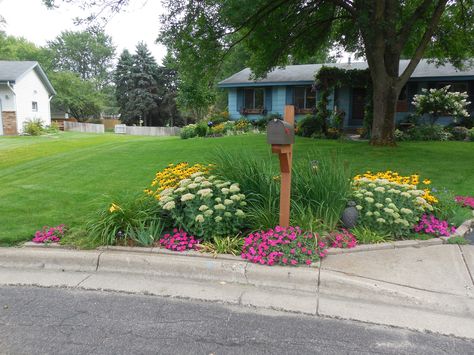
(62, 179)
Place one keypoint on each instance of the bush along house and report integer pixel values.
(295, 85)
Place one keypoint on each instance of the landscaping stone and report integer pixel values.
(412, 267)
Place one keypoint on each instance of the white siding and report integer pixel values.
(30, 88)
(7, 98)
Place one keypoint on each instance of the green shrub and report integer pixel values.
(261, 123)
(52, 128)
(428, 133)
(459, 133)
(33, 127)
(447, 209)
(243, 125)
(188, 131)
(205, 206)
(308, 126)
(471, 134)
(201, 129)
(218, 117)
(124, 219)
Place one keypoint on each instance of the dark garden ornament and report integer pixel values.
(350, 215)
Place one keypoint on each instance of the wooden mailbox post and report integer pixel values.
(281, 135)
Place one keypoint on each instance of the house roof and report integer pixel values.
(304, 74)
(11, 71)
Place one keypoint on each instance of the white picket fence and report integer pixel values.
(84, 127)
(152, 131)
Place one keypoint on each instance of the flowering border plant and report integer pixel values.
(431, 225)
(283, 246)
(389, 207)
(179, 241)
(465, 201)
(172, 175)
(50, 234)
(342, 239)
(205, 206)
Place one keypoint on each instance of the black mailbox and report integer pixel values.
(280, 132)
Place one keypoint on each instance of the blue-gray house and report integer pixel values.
(293, 85)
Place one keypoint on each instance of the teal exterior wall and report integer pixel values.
(277, 96)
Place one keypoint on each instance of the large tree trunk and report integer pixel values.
(385, 96)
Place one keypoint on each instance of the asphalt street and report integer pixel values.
(71, 321)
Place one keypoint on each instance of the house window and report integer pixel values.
(34, 106)
(305, 98)
(254, 98)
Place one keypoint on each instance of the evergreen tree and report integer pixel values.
(124, 84)
(144, 95)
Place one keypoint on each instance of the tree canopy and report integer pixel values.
(202, 32)
(88, 53)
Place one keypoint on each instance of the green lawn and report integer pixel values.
(59, 179)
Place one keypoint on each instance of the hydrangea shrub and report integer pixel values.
(283, 246)
(439, 102)
(205, 206)
(389, 207)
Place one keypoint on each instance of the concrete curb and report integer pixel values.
(162, 264)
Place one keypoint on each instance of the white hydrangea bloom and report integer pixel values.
(234, 188)
(187, 197)
(203, 208)
(228, 202)
(199, 218)
(169, 205)
(219, 206)
(239, 213)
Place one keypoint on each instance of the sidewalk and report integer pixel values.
(427, 288)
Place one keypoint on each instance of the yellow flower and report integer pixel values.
(114, 207)
(427, 181)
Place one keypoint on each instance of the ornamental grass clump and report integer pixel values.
(205, 206)
(430, 225)
(388, 207)
(179, 240)
(283, 246)
(50, 234)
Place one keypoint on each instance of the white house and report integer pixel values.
(25, 94)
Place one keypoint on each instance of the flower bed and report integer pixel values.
(209, 209)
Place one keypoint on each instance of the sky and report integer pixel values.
(32, 20)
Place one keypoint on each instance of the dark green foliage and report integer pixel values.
(188, 131)
(309, 126)
(201, 129)
(76, 96)
(145, 91)
(88, 53)
(261, 123)
(459, 133)
(427, 133)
